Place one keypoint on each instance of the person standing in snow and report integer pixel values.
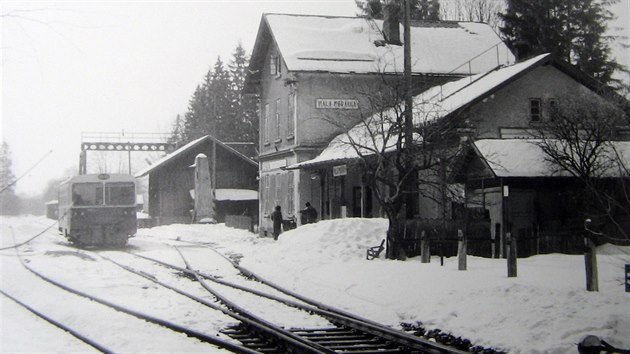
(276, 218)
(308, 214)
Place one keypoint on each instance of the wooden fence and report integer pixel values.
(239, 222)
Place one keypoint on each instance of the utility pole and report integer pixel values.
(408, 114)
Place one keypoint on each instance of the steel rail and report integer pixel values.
(60, 325)
(152, 319)
(346, 318)
(332, 314)
(234, 310)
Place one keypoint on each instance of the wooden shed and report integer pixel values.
(171, 180)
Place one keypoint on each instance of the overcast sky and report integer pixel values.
(108, 66)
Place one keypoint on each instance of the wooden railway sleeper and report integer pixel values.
(382, 351)
(339, 338)
(362, 346)
(333, 343)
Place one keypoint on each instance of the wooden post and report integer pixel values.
(495, 240)
(590, 262)
(461, 250)
(424, 248)
(511, 255)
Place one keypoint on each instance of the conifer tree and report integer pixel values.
(244, 106)
(9, 202)
(218, 107)
(572, 30)
(177, 131)
(196, 117)
(219, 103)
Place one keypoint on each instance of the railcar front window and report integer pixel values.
(120, 194)
(87, 194)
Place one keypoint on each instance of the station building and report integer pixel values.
(317, 76)
(500, 168)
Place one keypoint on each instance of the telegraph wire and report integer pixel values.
(25, 173)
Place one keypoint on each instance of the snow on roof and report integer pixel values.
(235, 194)
(173, 155)
(231, 194)
(440, 101)
(434, 103)
(169, 157)
(524, 158)
(346, 44)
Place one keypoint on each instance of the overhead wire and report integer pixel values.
(25, 173)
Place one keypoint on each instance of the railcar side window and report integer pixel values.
(87, 194)
(120, 194)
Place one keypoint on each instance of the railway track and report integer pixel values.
(345, 334)
(94, 341)
(334, 331)
(75, 333)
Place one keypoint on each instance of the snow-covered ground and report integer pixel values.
(546, 309)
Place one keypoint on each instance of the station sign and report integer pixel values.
(336, 103)
(340, 170)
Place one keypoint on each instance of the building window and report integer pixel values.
(266, 123)
(290, 188)
(278, 119)
(534, 109)
(553, 108)
(274, 65)
(266, 195)
(278, 189)
(291, 117)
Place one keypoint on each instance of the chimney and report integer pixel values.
(523, 50)
(391, 23)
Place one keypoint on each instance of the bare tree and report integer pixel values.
(377, 146)
(580, 138)
(486, 11)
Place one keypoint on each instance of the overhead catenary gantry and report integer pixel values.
(121, 142)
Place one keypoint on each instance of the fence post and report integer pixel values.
(495, 241)
(461, 250)
(424, 248)
(511, 255)
(590, 262)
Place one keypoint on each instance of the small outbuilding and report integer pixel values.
(52, 209)
(171, 181)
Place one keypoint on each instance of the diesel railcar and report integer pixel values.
(98, 209)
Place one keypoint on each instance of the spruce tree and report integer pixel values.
(9, 202)
(195, 119)
(218, 106)
(177, 131)
(244, 106)
(222, 121)
(572, 30)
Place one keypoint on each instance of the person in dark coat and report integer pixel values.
(308, 214)
(276, 218)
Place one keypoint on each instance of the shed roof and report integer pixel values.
(524, 158)
(164, 161)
